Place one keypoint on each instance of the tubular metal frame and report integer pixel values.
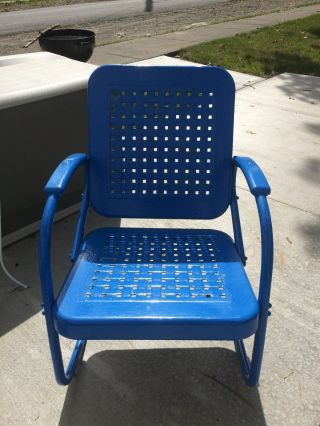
(250, 369)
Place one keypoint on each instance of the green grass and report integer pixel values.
(293, 46)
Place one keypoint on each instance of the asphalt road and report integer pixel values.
(40, 18)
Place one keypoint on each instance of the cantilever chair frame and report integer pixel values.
(54, 190)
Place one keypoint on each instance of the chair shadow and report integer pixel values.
(299, 86)
(17, 305)
(196, 386)
(310, 234)
(310, 170)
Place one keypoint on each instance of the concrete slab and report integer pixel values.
(124, 383)
(144, 48)
(148, 47)
(277, 124)
(209, 32)
(241, 80)
(286, 15)
(192, 383)
(102, 56)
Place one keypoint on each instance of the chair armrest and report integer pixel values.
(260, 188)
(60, 178)
(255, 178)
(54, 189)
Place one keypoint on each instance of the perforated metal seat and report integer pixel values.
(155, 282)
(160, 146)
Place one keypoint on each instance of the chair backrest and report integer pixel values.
(160, 141)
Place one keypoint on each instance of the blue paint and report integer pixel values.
(160, 146)
(161, 143)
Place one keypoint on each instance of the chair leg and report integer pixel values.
(64, 377)
(251, 369)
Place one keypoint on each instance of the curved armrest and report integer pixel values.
(255, 178)
(63, 173)
(260, 188)
(54, 189)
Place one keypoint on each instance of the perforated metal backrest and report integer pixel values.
(160, 141)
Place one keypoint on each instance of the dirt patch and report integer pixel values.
(150, 24)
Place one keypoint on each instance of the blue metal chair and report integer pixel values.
(160, 146)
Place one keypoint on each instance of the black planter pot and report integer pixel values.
(72, 43)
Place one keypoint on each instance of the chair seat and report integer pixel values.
(157, 284)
